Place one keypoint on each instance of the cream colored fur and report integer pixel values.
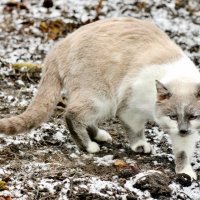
(109, 68)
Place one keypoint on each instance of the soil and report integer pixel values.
(45, 163)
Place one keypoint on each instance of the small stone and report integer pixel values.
(14, 148)
(126, 173)
(47, 3)
(43, 190)
(58, 188)
(156, 183)
(131, 197)
(184, 179)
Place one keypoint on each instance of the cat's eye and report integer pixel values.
(193, 117)
(173, 117)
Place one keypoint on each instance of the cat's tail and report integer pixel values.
(41, 106)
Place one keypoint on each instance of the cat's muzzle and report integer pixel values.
(184, 132)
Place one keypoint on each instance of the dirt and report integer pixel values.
(156, 184)
(45, 163)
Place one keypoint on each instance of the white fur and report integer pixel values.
(134, 118)
(186, 144)
(184, 68)
(93, 147)
(106, 108)
(103, 135)
(143, 84)
(141, 143)
(189, 171)
(141, 106)
(195, 124)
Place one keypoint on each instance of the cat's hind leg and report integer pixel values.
(134, 125)
(79, 115)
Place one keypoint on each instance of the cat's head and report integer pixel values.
(178, 107)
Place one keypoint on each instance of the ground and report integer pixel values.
(45, 163)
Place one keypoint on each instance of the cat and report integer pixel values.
(121, 67)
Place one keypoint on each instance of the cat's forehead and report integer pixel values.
(185, 106)
(183, 88)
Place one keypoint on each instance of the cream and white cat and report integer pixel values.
(119, 67)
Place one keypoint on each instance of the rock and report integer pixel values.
(131, 197)
(156, 183)
(47, 3)
(126, 173)
(58, 187)
(183, 179)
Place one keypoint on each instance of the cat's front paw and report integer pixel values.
(93, 147)
(189, 171)
(141, 147)
(103, 136)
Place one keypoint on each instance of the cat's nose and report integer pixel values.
(183, 132)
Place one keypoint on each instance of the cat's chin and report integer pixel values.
(184, 135)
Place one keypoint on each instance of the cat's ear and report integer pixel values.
(162, 92)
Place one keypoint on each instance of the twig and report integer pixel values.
(98, 8)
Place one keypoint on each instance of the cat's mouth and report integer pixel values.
(184, 133)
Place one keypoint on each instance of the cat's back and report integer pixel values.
(109, 49)
(122, 29)
(120, 40)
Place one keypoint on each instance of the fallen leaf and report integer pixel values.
(141, 5)
(120, 163)
(56, 27)
(9, 6)
(180, 3)
(6, 178)
(98, 8)
(25, 64)
(43, 27)
(3, 185)
(5, 197)
(53, 28)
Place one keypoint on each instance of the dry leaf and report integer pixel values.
(3, 185)
(120, 163)
(98, 8)
(25, 64)
(52, 28)
(43, 27)
(9, 6)
(181, 3)
(5, 197)
(141, 5)
(56, 27)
